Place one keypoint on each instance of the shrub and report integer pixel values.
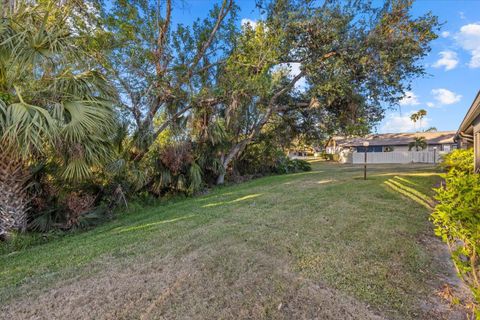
(174, 157)
(331, 157)
(302, 165)
(59, 204)
(286, 165)
(260, 158)
(456, 216)
(65, 210)
(78, 204)
(265, 158)
(459, 159)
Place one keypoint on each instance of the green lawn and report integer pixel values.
(322, 244)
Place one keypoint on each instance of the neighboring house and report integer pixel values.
(300, 153)
(388, 142)
(393, 147)
(468, 134)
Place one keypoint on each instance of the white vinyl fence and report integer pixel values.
(397, 157)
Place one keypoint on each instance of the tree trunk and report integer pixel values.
(221, 178)
(221, 175)
(7, 7)
(13, 197)
(240, 146)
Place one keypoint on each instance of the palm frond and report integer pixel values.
(76, 169)
(83, 118)
(54, 101)
(195, 176)
(26, 126)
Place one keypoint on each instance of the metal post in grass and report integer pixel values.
(365, 146)
(434, 155)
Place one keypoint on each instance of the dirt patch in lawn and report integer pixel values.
(204, 284)
(452, 299)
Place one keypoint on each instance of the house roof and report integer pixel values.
(472, 114)
(397, 139)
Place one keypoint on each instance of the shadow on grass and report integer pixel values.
(414, 174)
(406, 188)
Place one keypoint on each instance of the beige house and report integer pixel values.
(443, 141)
(393, 147)
(468, 134)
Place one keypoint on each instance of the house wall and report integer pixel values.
(400, 148)
(370, 149)
(333, 150)
(398, 157)
(476, 143)
(446, 147)
(440, 147)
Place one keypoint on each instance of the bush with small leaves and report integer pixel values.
(456, 216)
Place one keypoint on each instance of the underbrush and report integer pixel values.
(49, 226)
(264, 158)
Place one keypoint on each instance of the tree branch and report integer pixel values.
(226, 7)
(272, 107)
(161, 40)
(167, 122)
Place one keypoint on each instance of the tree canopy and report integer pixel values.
(122, 99)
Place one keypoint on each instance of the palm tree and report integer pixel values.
(51, 103)
(414, 118)
(421, 114)
(418, 143)
(418, 116)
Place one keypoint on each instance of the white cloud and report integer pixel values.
(294, 71)
(410, 99)
(430, 104)
(246, 21)
(448, 59)
(295, 68)
(469, 40)
(445, 34)
(462, 15)
(397, 123)
(444, 96)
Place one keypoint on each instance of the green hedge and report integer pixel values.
(457, 216)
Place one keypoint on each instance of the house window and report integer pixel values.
(370, 149)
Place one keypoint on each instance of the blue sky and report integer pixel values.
(453, 65)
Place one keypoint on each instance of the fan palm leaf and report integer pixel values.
(50, 98)
(53, 97)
